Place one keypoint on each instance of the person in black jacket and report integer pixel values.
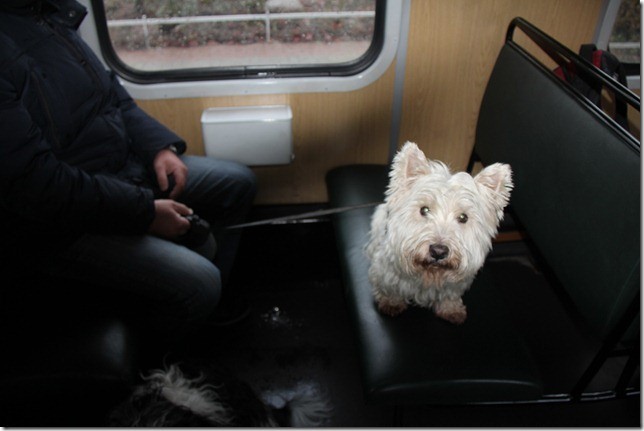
(94, 189)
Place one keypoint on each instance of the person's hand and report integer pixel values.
(168, 163)
(169, 221)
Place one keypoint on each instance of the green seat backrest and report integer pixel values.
(577, 183)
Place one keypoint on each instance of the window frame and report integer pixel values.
(252, 79)
(602, 41)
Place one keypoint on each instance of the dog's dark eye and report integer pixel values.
(424, 211)
(462, 218)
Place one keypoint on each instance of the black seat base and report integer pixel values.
(66, 360)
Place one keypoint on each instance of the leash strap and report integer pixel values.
(290, 218)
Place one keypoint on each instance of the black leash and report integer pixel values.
(311, 214)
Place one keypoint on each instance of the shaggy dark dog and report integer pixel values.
(185, 397)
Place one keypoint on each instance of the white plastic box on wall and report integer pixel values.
(252, 135)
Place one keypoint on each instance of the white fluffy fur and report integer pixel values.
(428, 206)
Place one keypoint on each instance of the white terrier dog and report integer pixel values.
(432, 233)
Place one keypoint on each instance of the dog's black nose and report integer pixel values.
(438, 251)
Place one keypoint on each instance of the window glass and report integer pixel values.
(263, 36)
(625, 38)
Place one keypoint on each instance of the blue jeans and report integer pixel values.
(158, 283)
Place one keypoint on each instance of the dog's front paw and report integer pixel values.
(391, 307)
(452, 311)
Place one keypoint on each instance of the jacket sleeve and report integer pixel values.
(148, 135)
(36, 186)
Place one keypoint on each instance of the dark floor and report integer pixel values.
(299, 333)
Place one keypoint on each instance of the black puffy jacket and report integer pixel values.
(76, 151)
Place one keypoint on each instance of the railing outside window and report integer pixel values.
(266, 17)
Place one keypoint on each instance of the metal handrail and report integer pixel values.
(563, 56)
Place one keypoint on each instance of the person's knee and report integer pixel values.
(203, 293)
(221, 184)
(245, 182)
(241, 188)
(196, 290)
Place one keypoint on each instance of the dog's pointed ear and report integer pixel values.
(496, 181)
(410, 162)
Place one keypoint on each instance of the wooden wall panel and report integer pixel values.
(329, 129)
(452, 47)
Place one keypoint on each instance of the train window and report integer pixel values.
(619, 32)
(155, 41)
(624, 40)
